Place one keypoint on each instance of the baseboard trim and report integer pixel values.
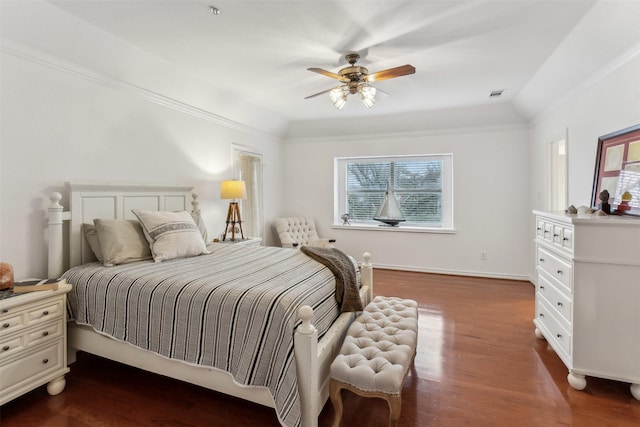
(491, 275)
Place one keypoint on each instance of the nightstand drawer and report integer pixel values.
(11, 323)
(11, 346)
(555, 267)
(44, 312)
(45, 332)
(27, 315)
(40, 363)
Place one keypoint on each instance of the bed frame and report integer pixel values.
(88, 201)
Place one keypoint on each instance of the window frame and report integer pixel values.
(340, 193)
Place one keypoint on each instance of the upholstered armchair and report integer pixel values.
(296, 232)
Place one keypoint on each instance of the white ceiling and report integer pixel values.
(462, 50)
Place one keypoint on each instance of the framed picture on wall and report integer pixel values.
(618, 171)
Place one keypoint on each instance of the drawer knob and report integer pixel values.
(45, 333)
(538, 228)
(6, 325)
(541, 287)
(559, 335)
(565, 238)
(555, 235)
(45, 361)
(541, 260)
(44, 313)
(5, 310)
(559, 304)
(559, 271)
(5, 348)
(541, 314)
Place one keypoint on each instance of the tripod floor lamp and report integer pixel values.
(233, 189)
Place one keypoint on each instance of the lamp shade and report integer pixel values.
(233, 189)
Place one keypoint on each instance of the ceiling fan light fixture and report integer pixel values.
(338, 97)
(368, 95)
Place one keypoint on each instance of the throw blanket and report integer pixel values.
(347, 292)
(234, 309)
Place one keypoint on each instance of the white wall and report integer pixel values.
(490, 198)
(63, 120)
(609, 104)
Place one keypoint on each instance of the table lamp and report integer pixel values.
(233, 189)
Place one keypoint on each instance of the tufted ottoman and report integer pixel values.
(376, 354)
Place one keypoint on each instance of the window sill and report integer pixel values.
(399, 228)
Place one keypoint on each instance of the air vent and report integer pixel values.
(496, 93)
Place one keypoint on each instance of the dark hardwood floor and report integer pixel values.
(478, 364)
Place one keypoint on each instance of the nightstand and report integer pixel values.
(33, 342)
(251, 241)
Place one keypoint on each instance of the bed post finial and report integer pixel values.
(366, 275)
(305, 313)
(56, 266)
(306, 354)
(195, 204)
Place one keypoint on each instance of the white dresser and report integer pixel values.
(33, 342)
(588, 295)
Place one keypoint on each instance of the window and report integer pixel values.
(248, 167)
(422, 186)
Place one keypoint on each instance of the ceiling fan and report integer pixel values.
(355, 80)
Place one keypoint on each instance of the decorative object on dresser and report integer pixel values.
(588, 294)
(33, 342)
(233, 189)
(6, 275)
(618, 171)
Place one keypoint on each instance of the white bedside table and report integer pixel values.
(33, 342)
(251, 241)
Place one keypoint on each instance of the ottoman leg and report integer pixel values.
(336, 400)
(395, 404)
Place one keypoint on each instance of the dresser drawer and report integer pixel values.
(554, 296)
(555, 267)
(558, 336)
(39, 363)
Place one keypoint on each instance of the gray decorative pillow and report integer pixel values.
(171, 234)
(91, 234)
(121, 241)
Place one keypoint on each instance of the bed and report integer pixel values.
(291, 377)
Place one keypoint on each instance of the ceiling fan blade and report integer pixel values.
(321, 93)
(328, 74)
(391, 73)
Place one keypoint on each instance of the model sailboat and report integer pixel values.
(389, 211)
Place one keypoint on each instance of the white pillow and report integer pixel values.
(121, 241)
(171, 234)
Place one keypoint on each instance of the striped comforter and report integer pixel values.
(234, 309)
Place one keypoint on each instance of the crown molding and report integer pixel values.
(28, 54)
(386, 136)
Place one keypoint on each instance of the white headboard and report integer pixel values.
(114, 201)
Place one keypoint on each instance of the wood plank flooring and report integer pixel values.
(478, 364)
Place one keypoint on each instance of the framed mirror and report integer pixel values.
(618, 171)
